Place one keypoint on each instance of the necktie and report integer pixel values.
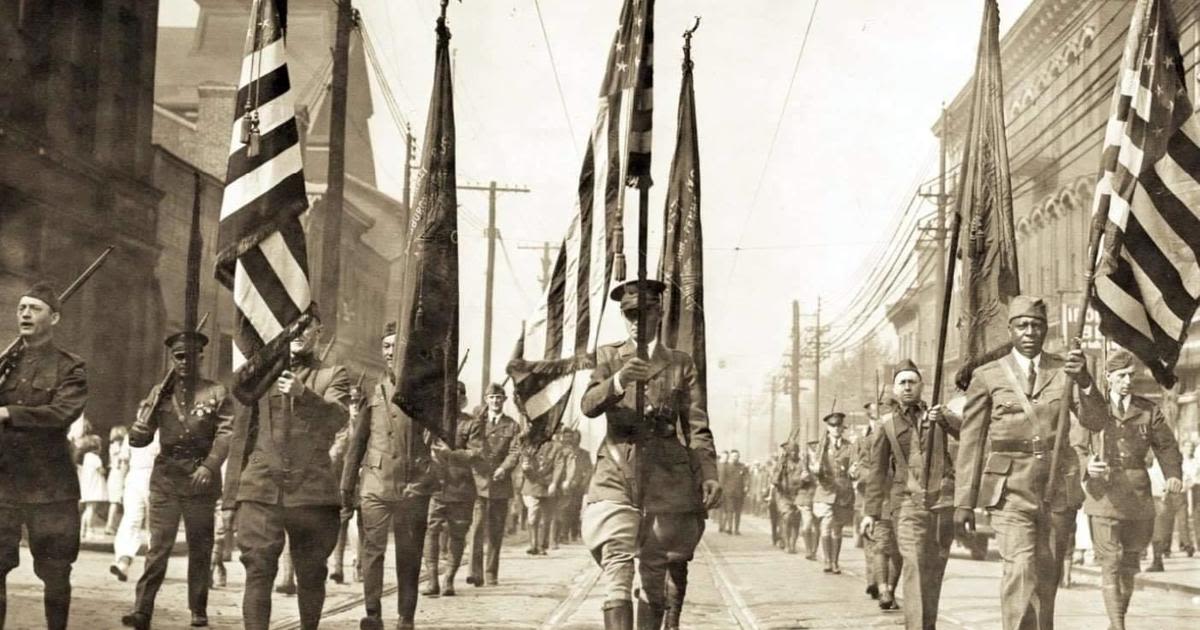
(1032, 379)
(1121, 408)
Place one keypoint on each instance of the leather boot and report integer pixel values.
(433, 588)
(677, 582)
(827, 549)
(618, 615)
(310, 601)
(835, 545)
(1126, 592)
(649, 616)
(1112, 605)
(56, 600)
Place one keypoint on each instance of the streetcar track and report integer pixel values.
(734, 603)
(293, 623)
(574, 599)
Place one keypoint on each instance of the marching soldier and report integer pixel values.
(284, 486)
(398, 476)
(1006, 445)
(1117, 486)
(923, 523)
(734, 487)
(186, 480)
(769, 497)
(337, 458)
(42, 393)
(542, 467)
(792, 492)
(651, 487)
(833, 498)
(579, 473)
(493, 438)
(881, 553)
(450, 507)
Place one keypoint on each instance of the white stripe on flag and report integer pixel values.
(1131, 156)
(288, 270)
(239, 359)
(1152, 298)
(253, 307)
(541, 402)
(1187, 190)
(1123, 305)
(258, 64)
(1118, 209)
(570, 321)
(597, 274)
(261, 180)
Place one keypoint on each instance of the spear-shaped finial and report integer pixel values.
(687, 42)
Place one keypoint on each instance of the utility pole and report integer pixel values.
(408, 167)
(546, 262)
(493, 190)
(816, 426)
(794, 381)
(942, 199)
(331, 224)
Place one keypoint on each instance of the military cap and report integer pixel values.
(627, 294)
(183, 337)
(45, 293)
(495, 389)
(870, 403)
(834, 419)
(389, 329)
(1119, 360)
(905, 366)
(1027, 306)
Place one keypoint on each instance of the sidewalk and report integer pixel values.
(1182, 575)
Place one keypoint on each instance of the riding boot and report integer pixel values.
(1127, 586)
(827, 549)
(618, 615)
(676, 592)
(1114, 605)
(649, 616)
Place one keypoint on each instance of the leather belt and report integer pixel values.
(1126, 463)
(1036, 446)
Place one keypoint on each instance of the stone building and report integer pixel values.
(1060, 60)
(77, 175)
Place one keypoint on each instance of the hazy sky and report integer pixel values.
(854, 136)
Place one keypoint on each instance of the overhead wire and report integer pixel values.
(562, 99)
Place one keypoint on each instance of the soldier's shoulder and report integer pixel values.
(1142, 403)
(215, 388)
(67, 358)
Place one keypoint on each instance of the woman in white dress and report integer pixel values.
(93, 487)
(118, 466)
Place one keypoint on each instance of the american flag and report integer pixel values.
(261, 253)
(1147, 204)
(557, 345)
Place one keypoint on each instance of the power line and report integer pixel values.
(775, 136)
(558, 84)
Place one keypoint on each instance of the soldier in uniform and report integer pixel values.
(283, 484)
(652, 486)
(1117, 486)
(542, 468)
(42, 393)
(186, 480)
(833, 497)
(924, 526)
(769, 497)
(493, 438)
(337, 458)
(450, 507)
(876, 574)
(1006, 445)
(734, 487)
(579, 473)
(792, 492)
(398, 477)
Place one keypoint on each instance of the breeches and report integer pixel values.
(454, 519)
(54, 543)
(617, 534)
(832, 518)
(1118, 544)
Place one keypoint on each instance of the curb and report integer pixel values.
(1091, 577)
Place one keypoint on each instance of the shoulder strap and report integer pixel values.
(1019, 390)
(889, 429)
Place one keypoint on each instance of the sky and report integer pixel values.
(799, 221)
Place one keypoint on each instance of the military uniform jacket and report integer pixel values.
(494, 447)
(737, 480)
(579, 470)
(1125, 492)
(834, 485)
(793, 482)
(986, 475)
(284, 454)
(44, 393)
(457, 481)
(187, 439)
(546, 469)
(392, 451)
(657, 462)
(891, 479)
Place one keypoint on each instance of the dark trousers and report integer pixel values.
(487, 522)
(731, 513)
(452, 519)
(407, 520)
(54, 542)
(924, 538)
(198, 517)
(1118, 546)
(668, 542)
(311, 531)
(1032, 545)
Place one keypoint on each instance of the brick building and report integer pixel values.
(1060, 60)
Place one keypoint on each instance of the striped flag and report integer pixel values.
(681, 267)
(557, 346)
(261, 253)
(1147, 205)
(427, 328)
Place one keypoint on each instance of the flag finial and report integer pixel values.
(687, 42)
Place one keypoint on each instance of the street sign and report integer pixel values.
(1091, 338)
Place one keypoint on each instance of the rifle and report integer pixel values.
(166, 387)
(12, 354)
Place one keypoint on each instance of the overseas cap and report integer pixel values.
(389, 329)
(627, 294)
(1027, 306)
(905, 366)
(835, 419)
(45, 293)
(1119, 360)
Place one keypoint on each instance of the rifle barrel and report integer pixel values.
(87, 273)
